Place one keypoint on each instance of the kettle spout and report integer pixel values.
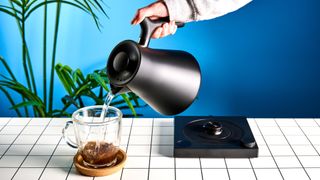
(119, 90)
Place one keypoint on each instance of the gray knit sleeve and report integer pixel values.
(195, 10)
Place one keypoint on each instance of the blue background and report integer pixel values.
(260, 61)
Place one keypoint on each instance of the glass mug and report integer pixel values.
(97, 139)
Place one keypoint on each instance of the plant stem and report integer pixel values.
(45, 56)
(81, 102)
(24, 49)
(25, 54)
(28, 56)
(54, 54)
(100, 92)
(33, 82)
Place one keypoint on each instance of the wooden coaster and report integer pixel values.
(88, 171)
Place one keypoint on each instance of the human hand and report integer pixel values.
(154, 11)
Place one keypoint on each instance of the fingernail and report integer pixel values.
(160, 32)
(174, 30)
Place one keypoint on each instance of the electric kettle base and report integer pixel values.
(213, 137)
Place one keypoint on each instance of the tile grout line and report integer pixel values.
(11, 142)
(34, 134)
(268, 146)
(62, 127)
(174, 158)
(54, 150)
(127, 145)
(150, 149)
(182, 167)
(314, 119)
(315, 167)
(318, 126)
(35, 124)
(6, 124)
(70, 168)
(175, 168)
(148, 156)
(225, 162)
(292, 149)
(307, 136)
(254, 172)
(15, 137)
(201, 168)
(31, 147)
(120, 144)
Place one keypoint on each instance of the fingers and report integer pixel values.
(141, 14)
(157, 33)
(173, 27)
(165, 30)
(157, 9)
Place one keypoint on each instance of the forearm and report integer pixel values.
(195, 10)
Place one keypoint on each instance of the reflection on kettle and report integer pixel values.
(167, 80)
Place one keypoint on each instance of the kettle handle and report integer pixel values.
(148, 26)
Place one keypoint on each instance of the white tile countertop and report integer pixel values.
(33, 148)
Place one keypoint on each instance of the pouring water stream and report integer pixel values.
(103, 115)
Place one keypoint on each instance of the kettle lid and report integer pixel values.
(123, 63)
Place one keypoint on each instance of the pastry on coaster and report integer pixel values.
(88, 171)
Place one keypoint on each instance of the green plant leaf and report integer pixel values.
(59, 113)
(100, 80)
(14, 85)
(10, 9)
(10, 100)
(5, 64)
(69, 99)
(134, 98)
(27, 103)
(25, 93)
(75, 77)
(67, 74)
(80, 75)
(101, 8)
(17, 3)
(124, 96)
(29, 5)
(53, 1)
(82, 88)
(118, 102)
(65, 84)
(124, 107)
(10, 13)
(94, 16)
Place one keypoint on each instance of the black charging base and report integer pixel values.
(213, 137)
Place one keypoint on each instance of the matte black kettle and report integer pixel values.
(167, 80)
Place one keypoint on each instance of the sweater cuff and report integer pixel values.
(179, 10)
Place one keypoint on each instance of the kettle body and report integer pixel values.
(167, 80)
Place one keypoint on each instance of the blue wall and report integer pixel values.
(261, 61)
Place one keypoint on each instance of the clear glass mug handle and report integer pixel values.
(66, 138)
